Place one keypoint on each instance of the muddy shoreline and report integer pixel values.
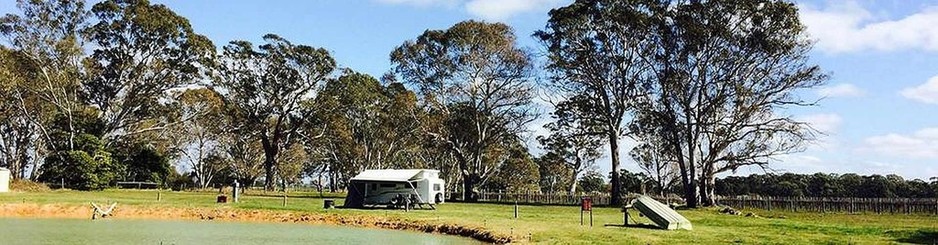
(29, 210)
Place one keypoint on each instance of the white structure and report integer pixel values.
(4, 180)
(382, 187)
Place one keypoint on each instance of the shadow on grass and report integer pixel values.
(643, 226)
(921, 236)
(294, 195)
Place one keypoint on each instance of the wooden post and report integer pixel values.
(284, 200)
(516, 209)
(159, 196)
(625, 217)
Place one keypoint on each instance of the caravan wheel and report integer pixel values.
(439, 197)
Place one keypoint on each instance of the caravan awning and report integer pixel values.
(388, 175)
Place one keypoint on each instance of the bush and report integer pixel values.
(178, 182)
(81, 170)
(141, 162)
(28, 186)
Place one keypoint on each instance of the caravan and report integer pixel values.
(388, 186)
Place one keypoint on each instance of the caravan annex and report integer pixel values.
(383, 187)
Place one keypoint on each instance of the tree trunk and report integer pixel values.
(690, 193)
(616, 199)
(270, 162)
(468, 193)
(332, 176)
(576, 171)
(707, 184)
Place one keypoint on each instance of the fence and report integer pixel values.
(835, 204)
(599, 199)
(795, 204)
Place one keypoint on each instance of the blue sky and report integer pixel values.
(880, 110)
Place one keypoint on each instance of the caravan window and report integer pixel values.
(388, 185)
(436, 187)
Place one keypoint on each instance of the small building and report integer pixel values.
(385, 187)
(4, 180)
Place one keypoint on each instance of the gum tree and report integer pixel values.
(479, 83)
(267, 87)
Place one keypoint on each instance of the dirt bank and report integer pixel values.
(29, 210)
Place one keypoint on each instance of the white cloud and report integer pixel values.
(500, 10)
(922, 144)
(827, 123)
(845, 26)
(841, 90)
(925, 93)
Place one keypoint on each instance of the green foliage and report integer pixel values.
(517, 174)
(84, 164)
(89, 167)
(179, 182)
(703, 81)
(574, 141)
(826, 185)
(199, 133)
(556, 176)
(636, 182)
(86, 171)
(143, 163)
(591, 182)
(141, 50)
(367, 125)
(476, 83)
(267, 87)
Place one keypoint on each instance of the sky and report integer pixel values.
(879, 110)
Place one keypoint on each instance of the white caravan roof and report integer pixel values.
(396, 175)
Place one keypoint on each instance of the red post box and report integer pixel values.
(586, 204)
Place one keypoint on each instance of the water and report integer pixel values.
(121, 231)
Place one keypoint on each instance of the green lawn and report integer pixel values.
(560, 224)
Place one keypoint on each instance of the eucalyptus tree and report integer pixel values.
(725, 73)
(243, 156)
(139, 52)
(713, 76)
(518, 173)
(200, 136)
(367, 125)
(573, 141)
(42, 83)
(17, 134)
(597, 51)
(651, 154)
(267, 87)
(554, 173)
(476, 78)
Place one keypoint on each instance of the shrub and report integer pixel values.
(28, 186)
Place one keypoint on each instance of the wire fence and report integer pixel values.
(794, 204)
(537, 198)
(835, 204)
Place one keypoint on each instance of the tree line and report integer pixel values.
(127, 90)
(827, 185)
(778, 185)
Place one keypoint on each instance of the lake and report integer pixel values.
(124, 231)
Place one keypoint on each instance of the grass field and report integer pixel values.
(560, 224)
